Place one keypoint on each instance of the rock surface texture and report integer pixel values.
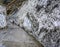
(14, 36)
(41, 19)
(2, 17)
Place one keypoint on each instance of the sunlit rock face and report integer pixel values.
(41, 19)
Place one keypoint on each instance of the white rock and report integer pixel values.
(27, 23)
(57, 23)
(2, 16)
(2, 21)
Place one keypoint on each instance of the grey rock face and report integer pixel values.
(44, 21)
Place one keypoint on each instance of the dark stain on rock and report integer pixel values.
(42, 30)
(51, 5)
(38, 7)
(55, 6)
(48, 2)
